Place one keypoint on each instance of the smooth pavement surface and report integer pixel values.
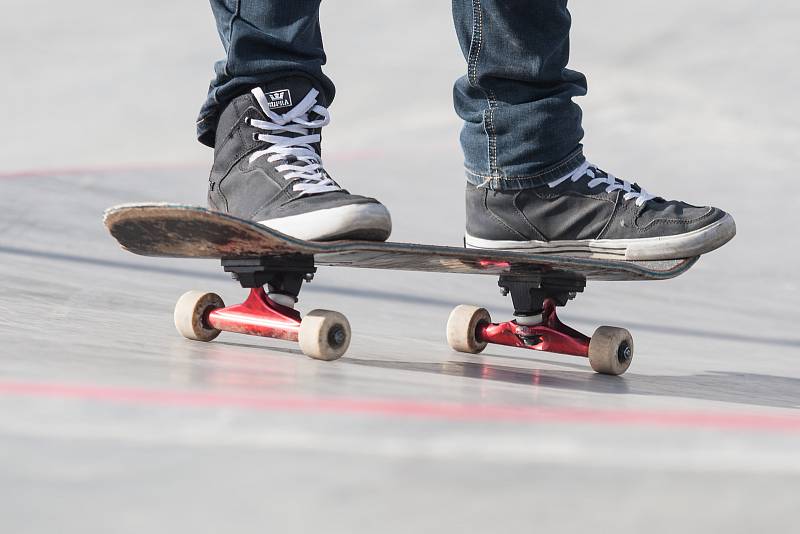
(110, 422)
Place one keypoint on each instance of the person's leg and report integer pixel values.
(529, 186)
(264, 116)
(520, 123)
(262, 39)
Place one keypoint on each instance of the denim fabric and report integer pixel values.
(520, 124)
(521, 127)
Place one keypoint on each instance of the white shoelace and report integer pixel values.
(309, 174)
(611, 182)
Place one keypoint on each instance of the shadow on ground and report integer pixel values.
(739, 388)
(245, 368)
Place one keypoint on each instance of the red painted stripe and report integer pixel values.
(100, 169)
(408, 409)
(341, 156)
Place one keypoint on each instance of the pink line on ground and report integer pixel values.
(405, 409)
(342, 156)
(100, 169)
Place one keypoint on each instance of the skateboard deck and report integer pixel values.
(180, 231)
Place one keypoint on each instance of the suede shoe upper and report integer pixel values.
(245, 182)
(572, 210)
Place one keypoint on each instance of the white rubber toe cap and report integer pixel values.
(368, 221)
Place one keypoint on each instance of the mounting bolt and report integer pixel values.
(572, 294)
(308, 277)
(504, 291)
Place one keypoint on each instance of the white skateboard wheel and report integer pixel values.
(611, 350)
(324, 335)
(190, 313)
(462, 328)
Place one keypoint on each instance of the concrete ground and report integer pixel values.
(112, 423)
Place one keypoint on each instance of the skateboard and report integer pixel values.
(274, 267)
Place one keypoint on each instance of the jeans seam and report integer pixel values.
(492, 99)
(475, 47)
(236, 15)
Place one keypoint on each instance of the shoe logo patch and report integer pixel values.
(279, 99)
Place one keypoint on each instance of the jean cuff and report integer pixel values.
(206, 129)
(513, 183)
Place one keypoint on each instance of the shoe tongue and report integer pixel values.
(285, 93)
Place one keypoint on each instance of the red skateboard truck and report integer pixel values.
(325, 334)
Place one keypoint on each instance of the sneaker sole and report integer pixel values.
(678, 246)
(370, 222)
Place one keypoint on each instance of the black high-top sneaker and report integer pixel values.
(268, 167)
(590, 213)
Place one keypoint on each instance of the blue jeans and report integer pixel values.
(521, 127)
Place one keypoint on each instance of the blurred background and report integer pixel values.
(110, 422)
